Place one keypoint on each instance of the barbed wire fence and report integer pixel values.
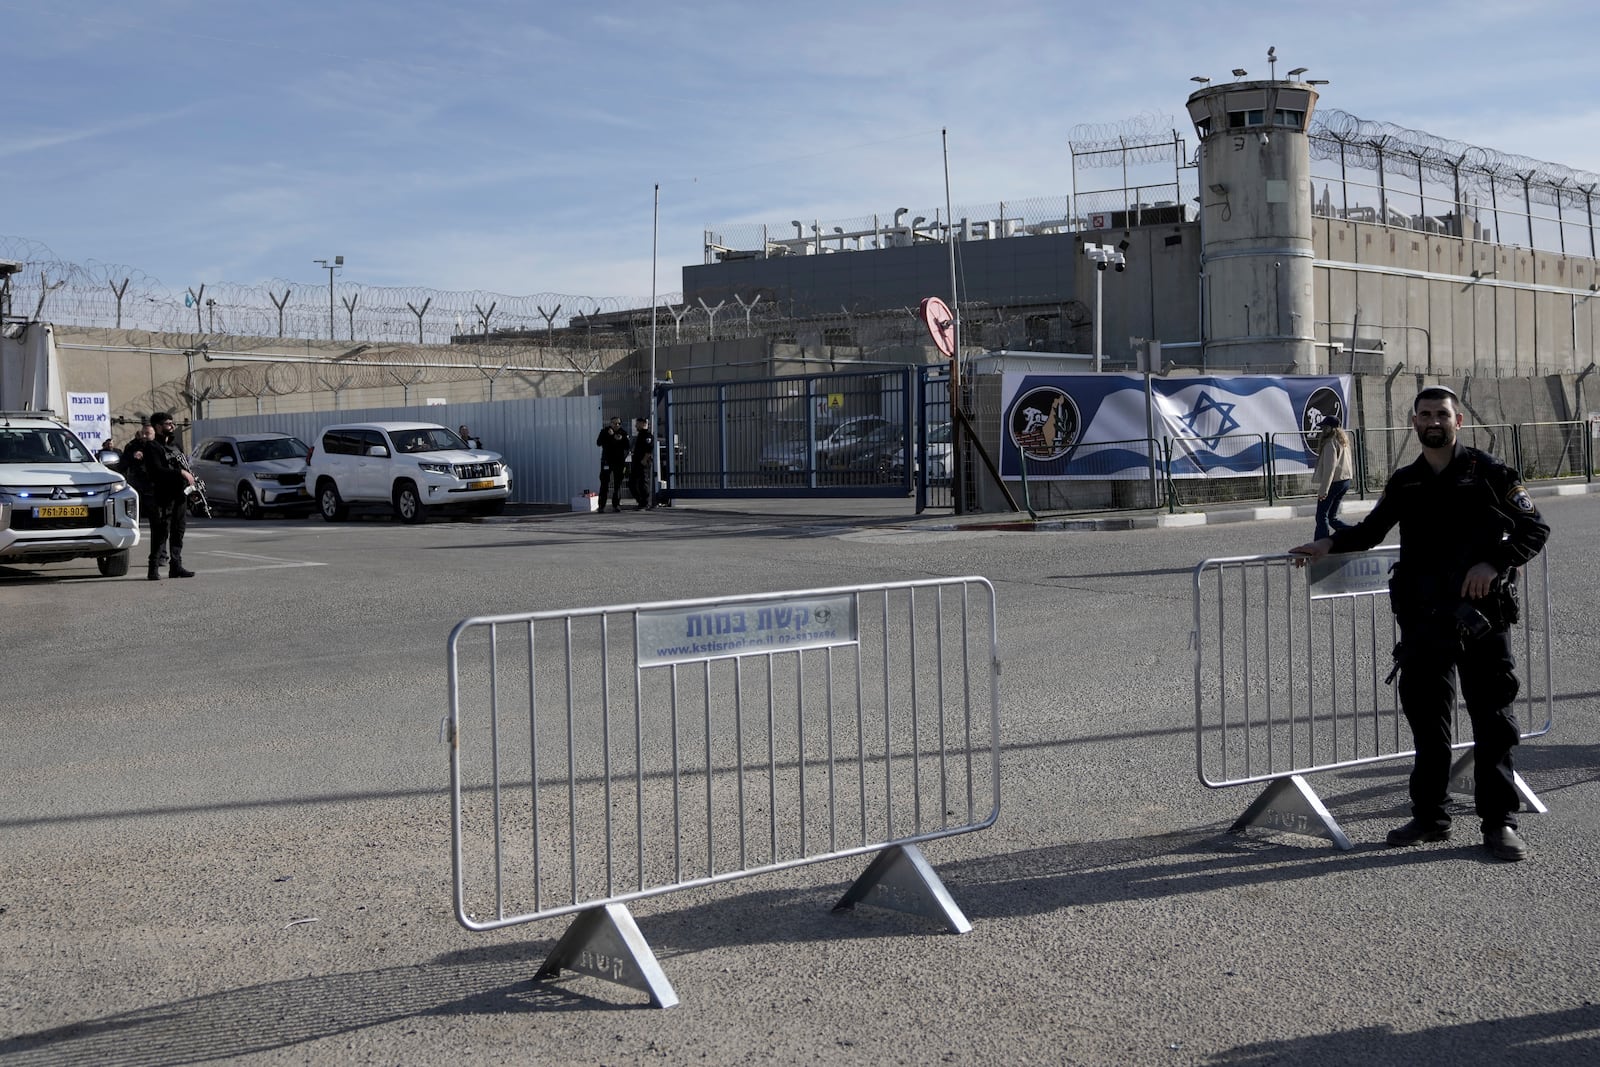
(95, 294)
(1417, 180)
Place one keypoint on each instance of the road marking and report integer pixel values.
(263, 563)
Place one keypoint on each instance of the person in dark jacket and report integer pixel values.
(1466, 524)
(613, 442)
(169, 479)
(133, 469)
(641, 472)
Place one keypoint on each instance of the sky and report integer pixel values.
(509, 147)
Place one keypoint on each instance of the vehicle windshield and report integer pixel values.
(940, 434)
(278, 448)
(852, 431)
(426, 439)
(41, 446)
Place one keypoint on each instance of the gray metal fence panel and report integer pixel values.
(547, 441)
(608, 754)
(1290, 664)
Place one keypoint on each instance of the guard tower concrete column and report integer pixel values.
(1256, 228)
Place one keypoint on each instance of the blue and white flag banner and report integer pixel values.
(1100, 426)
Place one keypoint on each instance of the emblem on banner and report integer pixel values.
(1044, 423)
(1322, 404)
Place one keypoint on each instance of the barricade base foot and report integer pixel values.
(605, 943)
(1461, 781)
(1292, 806)
(901, 879)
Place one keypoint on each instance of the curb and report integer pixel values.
(1183, 519)
(1082, 524)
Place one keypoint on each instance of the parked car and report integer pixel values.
(255, 473)
(869, 452)
(409, 467)
(939, 462)
(790, 452)
(58, 502)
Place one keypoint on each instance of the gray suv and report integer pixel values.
(255, 473)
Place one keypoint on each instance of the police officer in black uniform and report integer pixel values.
(169, 478)
(1466, 523)
(613, 442)
(641, 471)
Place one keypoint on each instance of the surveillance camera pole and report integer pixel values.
(330, 267)
(1102, 256)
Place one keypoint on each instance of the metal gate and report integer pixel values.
(879, 433)
(609, 754)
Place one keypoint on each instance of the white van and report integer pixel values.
(409, 467)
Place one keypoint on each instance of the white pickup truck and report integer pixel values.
(58, 501)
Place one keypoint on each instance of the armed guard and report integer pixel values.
(1466, 525)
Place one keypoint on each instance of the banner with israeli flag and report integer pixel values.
(1099, 426)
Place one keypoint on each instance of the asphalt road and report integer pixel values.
(224, 827)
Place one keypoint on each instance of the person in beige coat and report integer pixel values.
(1332, 475)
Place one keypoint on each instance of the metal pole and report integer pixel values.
(330, 303)
(1099, 279)
(957, 422)
(659, 425)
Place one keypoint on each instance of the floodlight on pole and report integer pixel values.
(338, 261)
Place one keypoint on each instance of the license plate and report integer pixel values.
(62, 511)
(484, 483)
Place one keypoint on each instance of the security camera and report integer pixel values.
(1264, 138)
(1120, 266)
(1101, 265)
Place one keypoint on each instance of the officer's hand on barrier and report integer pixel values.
(1311, 551)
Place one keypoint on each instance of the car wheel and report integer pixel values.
(249, 506)
(408, 506)
(114, 565)
(333, 507)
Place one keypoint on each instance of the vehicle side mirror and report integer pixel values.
(227, 461)
(110, 457)
(378, 452)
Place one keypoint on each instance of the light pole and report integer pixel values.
(1102, 256)
(338, 261)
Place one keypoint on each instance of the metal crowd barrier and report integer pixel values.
(1289, 679)
(605, 755)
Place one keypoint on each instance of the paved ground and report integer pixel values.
(223, 817)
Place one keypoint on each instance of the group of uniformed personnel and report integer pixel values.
(634, 456)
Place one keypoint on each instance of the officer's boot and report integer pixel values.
(155, 570)
(177, 570)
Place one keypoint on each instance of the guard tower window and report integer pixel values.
(1284, 117)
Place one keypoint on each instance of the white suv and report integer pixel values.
(57, 502)
(411, 467)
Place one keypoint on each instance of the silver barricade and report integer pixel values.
(1290, 671)
(605, 755)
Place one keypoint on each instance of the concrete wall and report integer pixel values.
(1386, 295)
(145, 372)
(1528, 313)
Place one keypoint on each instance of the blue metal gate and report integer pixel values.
(848, 434)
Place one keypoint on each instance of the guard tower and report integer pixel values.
(1255, 223)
